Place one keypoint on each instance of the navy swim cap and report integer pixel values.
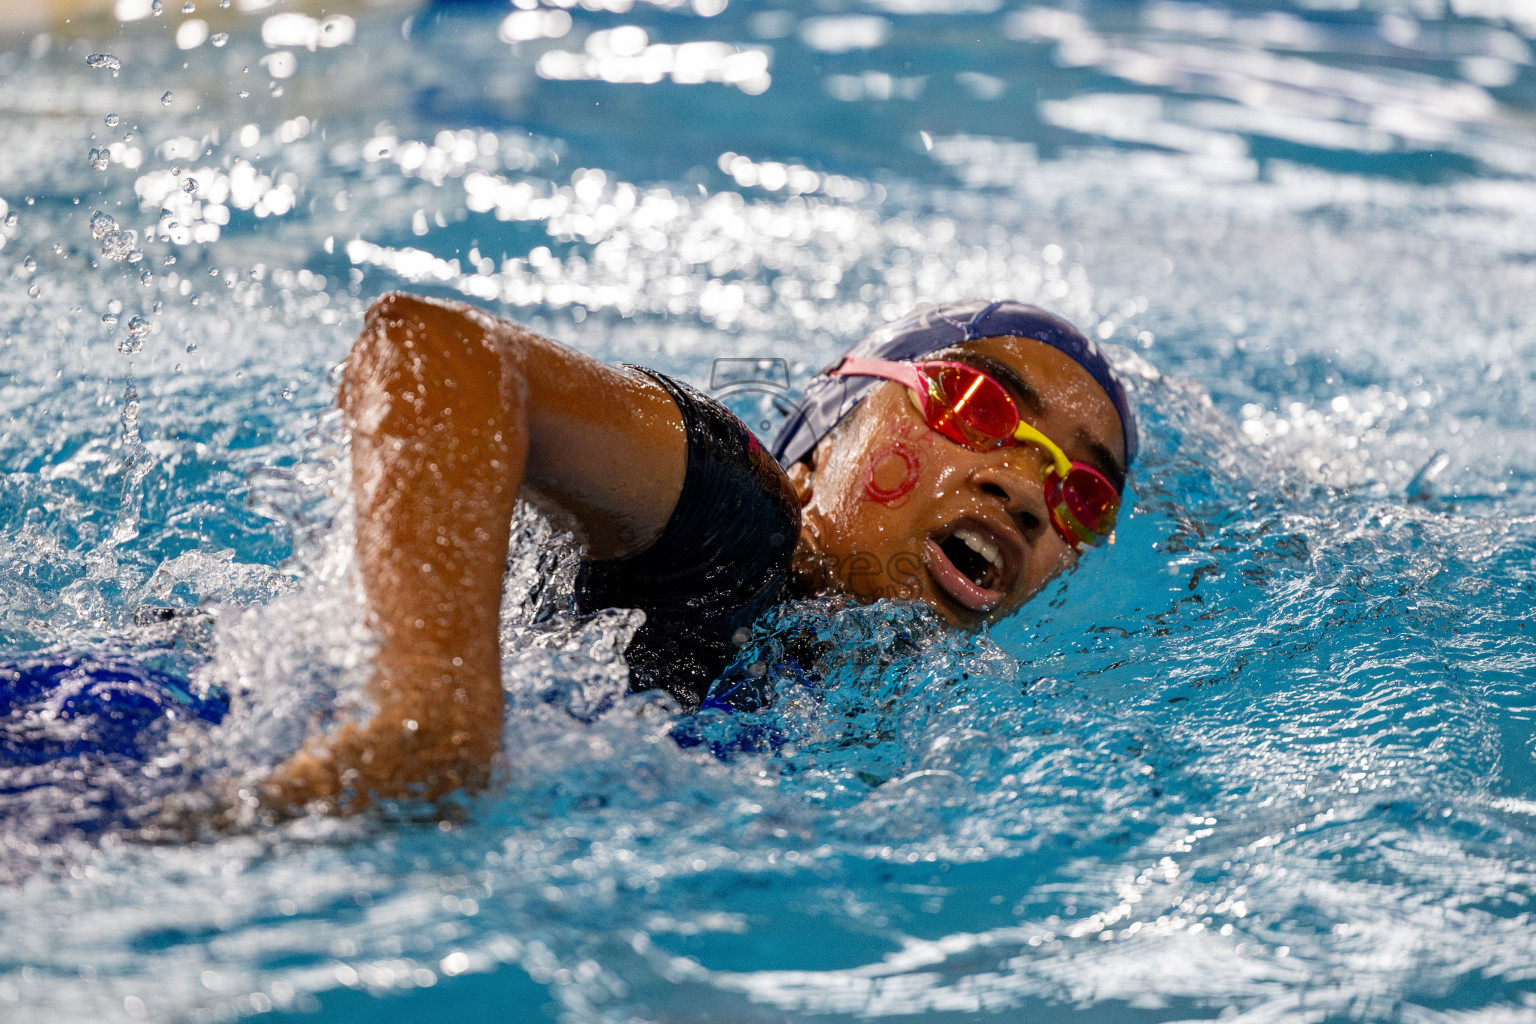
(827, 399)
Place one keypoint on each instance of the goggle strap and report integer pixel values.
(1025, 432)
(905, 374)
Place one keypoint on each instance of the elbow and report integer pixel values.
(432, 353)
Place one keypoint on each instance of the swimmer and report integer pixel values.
(962, 456)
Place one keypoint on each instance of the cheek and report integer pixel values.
(891, 473)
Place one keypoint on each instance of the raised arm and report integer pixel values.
(453, 412)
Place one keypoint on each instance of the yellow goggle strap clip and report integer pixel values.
(1025, 432)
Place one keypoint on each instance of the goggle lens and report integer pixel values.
(1084, 506)
(978, 408)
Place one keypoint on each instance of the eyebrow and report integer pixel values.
(1098, 452)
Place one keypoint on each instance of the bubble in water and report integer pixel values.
(109, 318)
(29, 265)
(189, 186)
(156, 7)
(10, 219)
(147, 277)
(165, 100)
(189, 7)
(191, 346)
(105, 60)
(100, 158)
(287, 394)
(219, 38)
(113, 120)
(244, 94)
(35, 291)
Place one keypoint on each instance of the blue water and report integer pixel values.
(1268, 758)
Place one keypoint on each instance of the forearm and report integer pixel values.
(439, 439)
(436, 406)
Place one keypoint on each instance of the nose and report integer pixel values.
(1017, 483)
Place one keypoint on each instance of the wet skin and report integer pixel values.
(884, 492)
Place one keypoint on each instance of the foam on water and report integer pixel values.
(1269, 753)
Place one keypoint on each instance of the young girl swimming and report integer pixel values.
(962, 456)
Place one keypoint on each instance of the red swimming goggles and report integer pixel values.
(974, 410)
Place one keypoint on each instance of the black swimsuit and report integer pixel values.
(722, 560)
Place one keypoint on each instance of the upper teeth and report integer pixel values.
(979, 544)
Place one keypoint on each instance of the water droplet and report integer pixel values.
(189, 186)
(189, 7)
(147, 277)
(105, 60)
(58, 249)
(100, 158)
(109, 318)
(219, 38)
(10, 219)
(165, 100)
(169, 261)
(156, 7)
(178, 367)
(113, 120)
(191, 346)
(244, 94)
(138, 330)
(287, 394)
(34, 291)
(29, 265)
(116, 243)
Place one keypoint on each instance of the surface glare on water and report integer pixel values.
(1270, 753)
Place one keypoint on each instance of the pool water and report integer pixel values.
(1269, 757)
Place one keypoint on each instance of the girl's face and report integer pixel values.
(892, 509)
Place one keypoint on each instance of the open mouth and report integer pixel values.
(971, 566)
